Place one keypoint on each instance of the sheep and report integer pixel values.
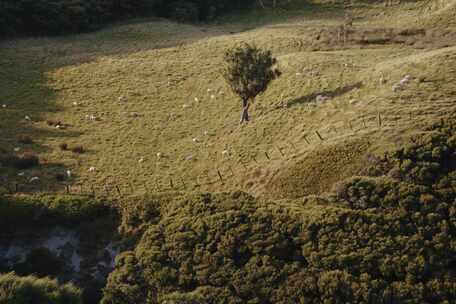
(189, 157)
(397, 87)
(27, 118)
(68, 173)
(4, 106)
(321, 98)
(141, 160)
(92, 169)
(122, 98)
(195, 140)
(196, 99)
(225, 153)
(34, 179)
(21, 174)
(17, 149)
(159, 155)
(185, 106)
(212, 96)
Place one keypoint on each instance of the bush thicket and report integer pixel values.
(26, 290)
(48, 17)
(26, 213)
(389, 238)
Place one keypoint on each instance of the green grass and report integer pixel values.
(161, 67)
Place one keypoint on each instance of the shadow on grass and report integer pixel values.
(330, 93)
(25, 99)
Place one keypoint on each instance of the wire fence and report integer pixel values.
(219, 175)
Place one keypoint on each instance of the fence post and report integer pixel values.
(220, 176)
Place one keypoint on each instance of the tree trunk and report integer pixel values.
(245, 111)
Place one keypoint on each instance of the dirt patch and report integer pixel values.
(318, 171)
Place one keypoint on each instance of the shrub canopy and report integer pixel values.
(384, 239)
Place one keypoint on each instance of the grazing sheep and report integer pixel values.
(122, 98)
(159, 155)
(189, 157)
(225, 153)
(17, 149)
(92, 169)
(34, 179)
(321, 98)
(397, 87)
(27, 118)
(212, 96)
(196, 99)
(21, 174)
(185, 106)
(4, 106)
(195, 140)
(141, 160)
(68, 173)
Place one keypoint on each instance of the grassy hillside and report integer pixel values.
(147, 102)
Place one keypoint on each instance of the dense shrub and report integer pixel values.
(40, 262)
(27, 290)
(43, 210)
(384, 239)
(38, 17)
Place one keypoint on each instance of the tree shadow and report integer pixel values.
(25, 98)
(329, 93)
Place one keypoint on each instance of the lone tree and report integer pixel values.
(248, 71)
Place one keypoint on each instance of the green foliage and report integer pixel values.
(28, 290)
(386, 239)
(45, 210)
(41, 262)
(70, 16)
(249, 70)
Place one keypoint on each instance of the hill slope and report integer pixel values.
(148, 104)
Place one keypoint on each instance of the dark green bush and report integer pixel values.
(31, 290)
(45, 210)
(386, 239)
(40, 262)
(51, 17)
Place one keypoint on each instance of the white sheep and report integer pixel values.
(397, 87)
(159, 155)
(321, 98)
(195, 140)
(34, 179)
(68, 173)
(141, 160)
(122, 98)
(21, 174)
(4, 106)
(212, 96)
(17, 149)
(225, 153)
(92, 169)
(185, 106)
(27, 118)
(196, 99)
